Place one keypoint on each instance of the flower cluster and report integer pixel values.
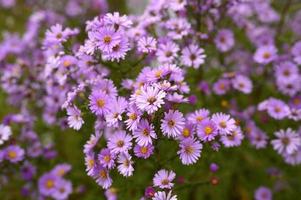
(150, 94)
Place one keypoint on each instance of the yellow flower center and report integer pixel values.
(186, 132)
(12, 154)
(49, 184)
(100, 103)
(208, 130)
(107, 39)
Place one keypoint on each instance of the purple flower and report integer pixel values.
(150, 99)
(167, 52)
(242, 83)
(144, 151)
(116, 107)
(106, 158)
(102, 177)
(99, 103)
(225, 124)
(106, 38)
(164, 196)
(119, 142)
(149, 192)
(116, 20)
(118, 51)
(28, 171)
(263, 193)
(144, 133)
(173, 123)
(224, 40)
(296, 52)
(75, 120)
(14, 153)
(265, 54)
(134, 116)
(5, 133)
(190, 151)
(277, 109)
(163, 179)
(90, 163)
(61, 169)
(48, 184)
(198, 116)
(56, 35)
(147, 44)
(193, 56)
(63, 190)
(233, 139)
(125, 164)
(207, 130)
(287, 141)
(221, 86)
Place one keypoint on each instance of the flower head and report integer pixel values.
(172, 124)
(163, 179)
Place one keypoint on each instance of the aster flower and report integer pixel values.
(163, 179)
(116, 107)
(198, 116)
(224, 40)
(90, 163)
(5, 133)
(287, 141)
(294, 158)
(225, 124)
(61, 169)
(117, 21)
(106, 38)
(172, 124)
(55, 35)
(134, 116)
(144, 151)
(118, 51)
(263, 193)
(242, 83)
(193, 56)
(188, 131)
(144, 133)
(106, 158)
(285, 71)
(99, 103)
(63, 190)
(48, 183)
(190, 151)
(258, 139)
(28, 171)
(14, 153)
(167, 52)
(75, 120)
(295, 51)
(150, 99)
(147, 44)
(265, 54)
(91, 143)
(207, 130)
(164, 196)
(102, 177)
(233, 139)
(221, 86)
(119, 142)
(125, 164)
(277, 109)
